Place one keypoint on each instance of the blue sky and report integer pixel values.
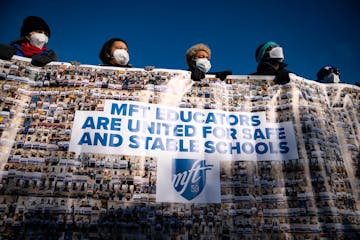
(313, 33)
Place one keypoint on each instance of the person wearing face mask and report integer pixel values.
(328, 74)
(114, 52)
(34, 36)
(270, 56)
(198, 61)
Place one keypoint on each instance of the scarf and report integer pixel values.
(29, 50)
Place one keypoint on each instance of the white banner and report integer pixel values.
(126, 127)
(151, 151)
(184, 141)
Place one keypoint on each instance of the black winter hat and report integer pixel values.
(33, 23)
(260, 53)
(326, 70)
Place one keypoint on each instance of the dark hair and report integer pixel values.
(105, 53)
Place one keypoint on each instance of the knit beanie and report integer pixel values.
(261, 50)
(33, 23)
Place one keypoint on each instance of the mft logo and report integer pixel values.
(189, 176)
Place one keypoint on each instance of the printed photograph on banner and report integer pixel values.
(188, 180)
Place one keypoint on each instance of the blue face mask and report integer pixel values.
(203, 64)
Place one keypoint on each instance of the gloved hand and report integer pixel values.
(282, 77)
(222, 75)
(6, 51)
(44, 58)
(197, 74)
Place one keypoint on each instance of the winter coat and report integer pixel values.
(266, 68)
(39, 60)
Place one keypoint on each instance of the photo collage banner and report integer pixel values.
(127, 153)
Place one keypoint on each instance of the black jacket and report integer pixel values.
(281, 75)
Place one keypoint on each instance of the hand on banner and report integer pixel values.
(223, 74)
(197, 74)
(6, 51)
(282, 77)
(44, 58)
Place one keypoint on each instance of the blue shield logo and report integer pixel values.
(189, 176)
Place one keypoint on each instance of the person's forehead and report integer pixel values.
(202, 53)
(40, 31)
(119, 44)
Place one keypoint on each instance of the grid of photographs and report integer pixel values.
(48, 192)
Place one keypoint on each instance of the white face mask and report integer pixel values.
(277, 52)
(121, 56)
(203, 64)
(38, 39)
(333, 78)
